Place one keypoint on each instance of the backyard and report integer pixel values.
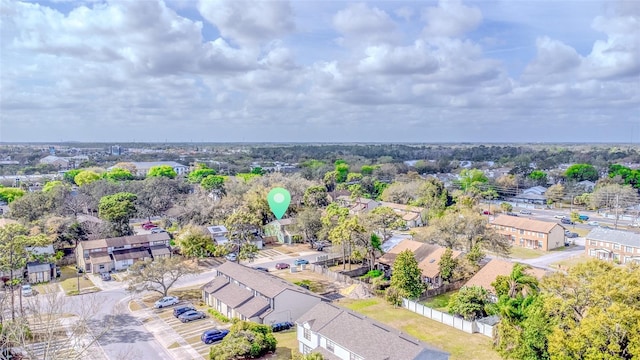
(69, 282)
(459, 344)
(439, 302)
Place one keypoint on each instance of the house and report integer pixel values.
(532, 195)
(60, 163)
(529, 233)
(104, 255)
(430, 267)
(613, 245)
(38, 272)
(412, 215)
(358, 205)
(242, 292)
(586, 185)
(218, 234)
(339, 333)
(142, 168)
(419, 249)
(283, 230)
(494, 268)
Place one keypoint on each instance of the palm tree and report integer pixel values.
(521, 284)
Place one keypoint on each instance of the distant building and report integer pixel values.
(115, 150)
(529, 233)
(142, 168)
(218, 234)
(59, 162)
(282, 230)
(613, 245)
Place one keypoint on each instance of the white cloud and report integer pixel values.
(360, 23)
(450, 19)
(249, 22)
(398, 60)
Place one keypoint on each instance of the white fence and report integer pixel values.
(447, 319)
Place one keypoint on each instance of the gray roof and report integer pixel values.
(233, 295)
(101, 257)
(36, 267)
(150, 164)
(128, 254)
(215, 284)
(267, 284)
(124, 240)
(159, 250)
(253, 307)
(621, 237)
(366, 337)
(217, 229)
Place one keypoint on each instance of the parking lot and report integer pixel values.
(182, 340)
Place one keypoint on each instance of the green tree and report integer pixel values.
(539, 177)
(309, 223)
(447, 265)
(8, 195)
(316, 196)
(342, 170)
(118, 209)
(257, 171)
(366, 170)
(70, 175)
(346, 234)
(434, 196)
(383, 220)
(197, 175)
(214, 183)
(118, 174)
(407, 276)
(162, 171)
(629, 176)
(51, 184)
(158, 275)
(86, 177)
(555, 193)
(471, 179)
(194, 242)
(14, 240)
(505, 206)
(243, 225)
(470, 302)
(581, 172)
(246, 339)
(373, 246)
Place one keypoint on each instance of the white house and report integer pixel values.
(338, 333)
(242, 292)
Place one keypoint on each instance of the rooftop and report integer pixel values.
(524, 223)
(621, 237)
(496, 267)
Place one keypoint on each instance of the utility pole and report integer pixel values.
(615, 226)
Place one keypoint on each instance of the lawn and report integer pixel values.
(287, 345)
(459, 344)
(440, 302)
(570, 262)
(518, 252)
(69, 282)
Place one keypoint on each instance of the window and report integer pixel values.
(540, 244)
(513, 229)
(540, 235)
(628, 249)
(306, 349)
(592, 252)
(593, 243)
(307, 334)
(353, 356)
(521, 232)
(101, 267)
(330, 345)
(616, 246)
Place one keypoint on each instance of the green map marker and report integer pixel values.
(279, 200)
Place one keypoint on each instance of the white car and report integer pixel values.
(559, 216)
(27, 290)
(593, 223)
(166, 301)
(526, 212)
(232, 257)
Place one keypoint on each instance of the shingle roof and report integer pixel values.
(267, 284)
(215, 284)
(137, 239)
(253, 307)
(100, 257)
(128, 254)
(406, 208)
(34, 267)
(390, 256)
(233, 295)
(150, 164)
(524, 223)
(159, 250)
(621, 237)
(429, 265)
(488, 274)
(365, 337)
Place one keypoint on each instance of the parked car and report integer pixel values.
(213, 335)
(566, 221)
(105, 276)
(559, 216)
(27, 290)
(593, 223)
(231, 257)
(512, 214)
(281, 326)
(300, 262)
(583, 217)
(149, 226)
(261, 268)
(526, 212)
(281, 266)
(191, 315)
(166, 301)
(486, 212)
(182, 309)
(570, 234)
(158, 230)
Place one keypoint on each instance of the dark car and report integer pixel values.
(105, 276)
(566, 221)
(260, 268)
(281, 266)
(570, 234)
(191, 315)
(281, 326)
(512, 214)
(213, 335)
(182, 309)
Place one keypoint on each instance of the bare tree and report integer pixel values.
(158, 275)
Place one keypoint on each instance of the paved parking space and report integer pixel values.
(181, 339)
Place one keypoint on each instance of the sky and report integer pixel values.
(320, 71)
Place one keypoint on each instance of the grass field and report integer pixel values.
(518, 252)
(460, 345)
(69, 282)
(440, 302)
(287, 345)
(568, 263)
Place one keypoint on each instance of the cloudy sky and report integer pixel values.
(306, 70)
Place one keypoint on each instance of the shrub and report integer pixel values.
(216, 314)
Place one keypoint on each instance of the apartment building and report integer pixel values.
(529, 233)
(613, 245)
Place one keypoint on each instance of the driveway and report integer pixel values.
(546, 260)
